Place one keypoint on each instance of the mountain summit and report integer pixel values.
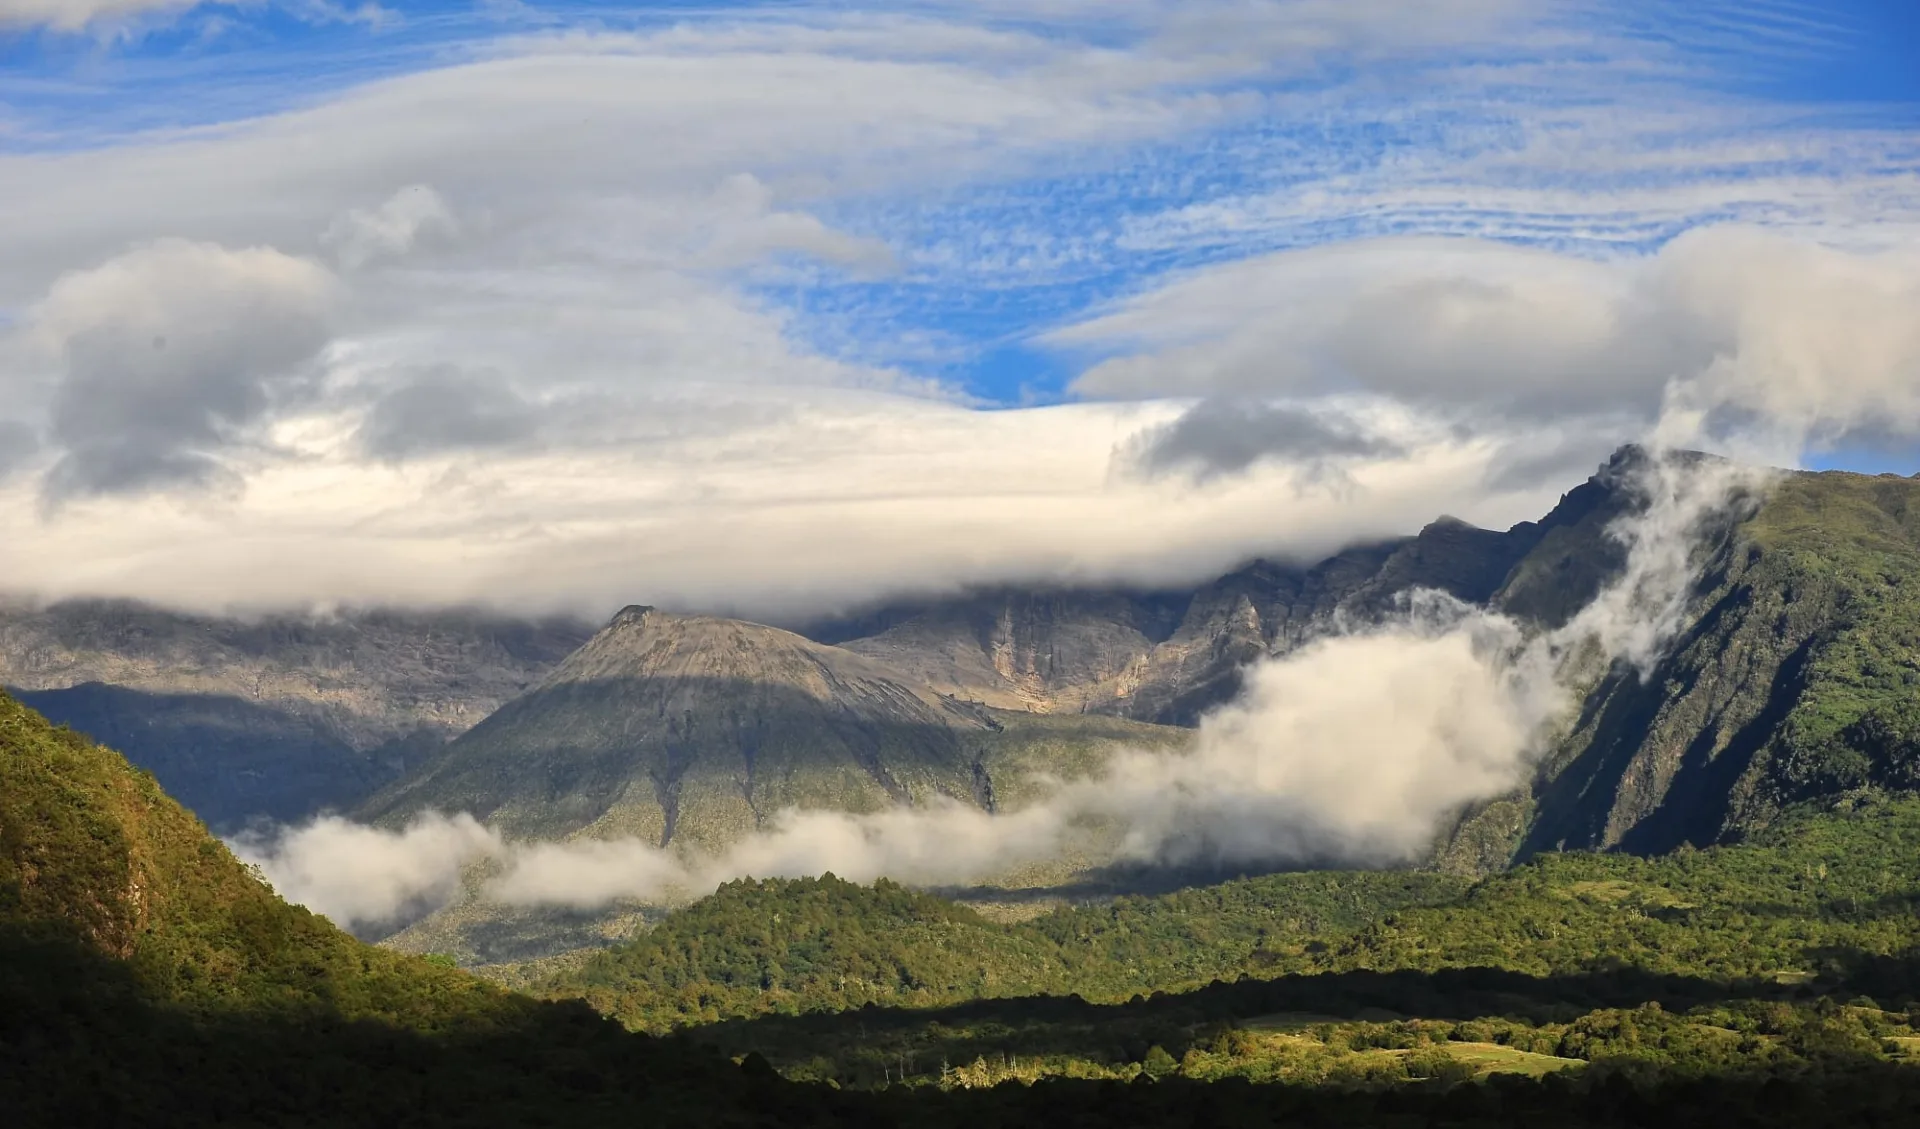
(694, 728)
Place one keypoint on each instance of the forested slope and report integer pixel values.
(147, 978)
(1824, 888)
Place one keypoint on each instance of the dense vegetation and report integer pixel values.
(788, 946)
(1824, 882)
(92, 848)
(1365, 1029)
(1614, 985)
(146, 977)
(1855, 541)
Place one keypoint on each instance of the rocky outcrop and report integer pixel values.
(1167, 657)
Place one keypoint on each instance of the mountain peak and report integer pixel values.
(632, 615)
(689, 727)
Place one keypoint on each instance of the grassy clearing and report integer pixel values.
(1492, 1058)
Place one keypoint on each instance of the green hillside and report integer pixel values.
(147, 978)
(790, 946)
(1798, 677)
(93, 850)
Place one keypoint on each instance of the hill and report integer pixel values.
(792, 946)
(1795, 677)
(693, 729)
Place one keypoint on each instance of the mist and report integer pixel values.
(1352, 750)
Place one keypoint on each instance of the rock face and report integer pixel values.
(278, 716)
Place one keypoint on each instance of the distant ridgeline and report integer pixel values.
(147, 978)
(1792, 678)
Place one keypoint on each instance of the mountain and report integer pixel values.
(693, 729)
(1791, 678)
(276, 716)
(1796, 676)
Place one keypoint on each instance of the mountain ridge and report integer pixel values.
(279, 715)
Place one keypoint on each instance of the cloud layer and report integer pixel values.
(706, 312)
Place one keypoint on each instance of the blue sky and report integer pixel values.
(1056, 240)
(456, 290)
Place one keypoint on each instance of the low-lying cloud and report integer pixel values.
(1351, 750)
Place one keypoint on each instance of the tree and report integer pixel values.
(1158, 1063)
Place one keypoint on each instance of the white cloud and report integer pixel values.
(1732, 323)
(359, 875)
(787, 502)
(170, 355)
(85, 15)
(74, 15)
(359, 236)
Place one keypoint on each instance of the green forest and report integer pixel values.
(1771, 957)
